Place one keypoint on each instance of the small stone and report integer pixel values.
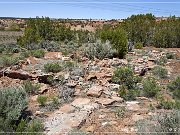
(65, 58)
(154, 51)
(66, 76)
(104, 124)
(38, 113)
(101, 116)
(115, 86)
(132, 102)
(113, 123)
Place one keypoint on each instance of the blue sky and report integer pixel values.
(96, 9)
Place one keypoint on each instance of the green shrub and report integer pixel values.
(25, 54)
(2, 28)
(35, 126)
(69, 65)
(50, 46)
(129, 94)
(120, 111)
(12, 102)
(38, 53)
(8, 60)
(32, 46)
(42, 100)
(119, 41)
(174, 87)
(99, 50)
(52, 67)
(176, 94)
(150, 87)
(11, 48)
(165, 104)
(51, 80)
(166, 123)
(15, 50)
(31, 88)
(161, 61)
(21, 127)
(170, 55)
(124, 75)
(160, 72)
(138, 45)
(2, 48)
(13, 118)
(53, 104)
(55, 101)
(14, 27)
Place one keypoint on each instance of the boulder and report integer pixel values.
(18, 74)
(95, 91)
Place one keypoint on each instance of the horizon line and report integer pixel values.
(78, 2)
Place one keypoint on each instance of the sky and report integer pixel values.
(86, 9)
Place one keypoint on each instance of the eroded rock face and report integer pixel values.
(64, 120)
(62, 123)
